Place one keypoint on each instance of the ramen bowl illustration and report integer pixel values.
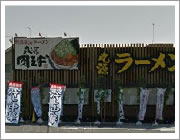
(64, 55)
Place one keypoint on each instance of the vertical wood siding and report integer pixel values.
(88, 59)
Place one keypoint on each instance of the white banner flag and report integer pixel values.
(35, 97)
(144, 94)
(121, 111)
(98, 95)
(13, 103)
(81, 103)
(55, 104)
(160, 103)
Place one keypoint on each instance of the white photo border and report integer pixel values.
(90, 135)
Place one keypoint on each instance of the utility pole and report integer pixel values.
(29, 31)
(153, 33)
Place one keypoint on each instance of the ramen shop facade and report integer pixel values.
(65, 61)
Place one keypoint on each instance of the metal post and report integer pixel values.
(29, 31)
(153, 33)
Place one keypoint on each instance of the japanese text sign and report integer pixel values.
(46, 53)
(55, 104)
(125, 61)
(13, 102)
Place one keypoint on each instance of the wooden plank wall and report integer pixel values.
(88, 60)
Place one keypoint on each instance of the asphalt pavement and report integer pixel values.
(89, 127)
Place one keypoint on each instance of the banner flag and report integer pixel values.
(13, 103)
(121, 111)
(35, 98)
(144, 94)
(55, 104)
(81, 103)
(160, 103)
(98, 98)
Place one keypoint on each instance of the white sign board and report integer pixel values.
(46, 53)
(45, 95)
(108, 99)
(71, 97)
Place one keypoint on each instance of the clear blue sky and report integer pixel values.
(93, 24)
